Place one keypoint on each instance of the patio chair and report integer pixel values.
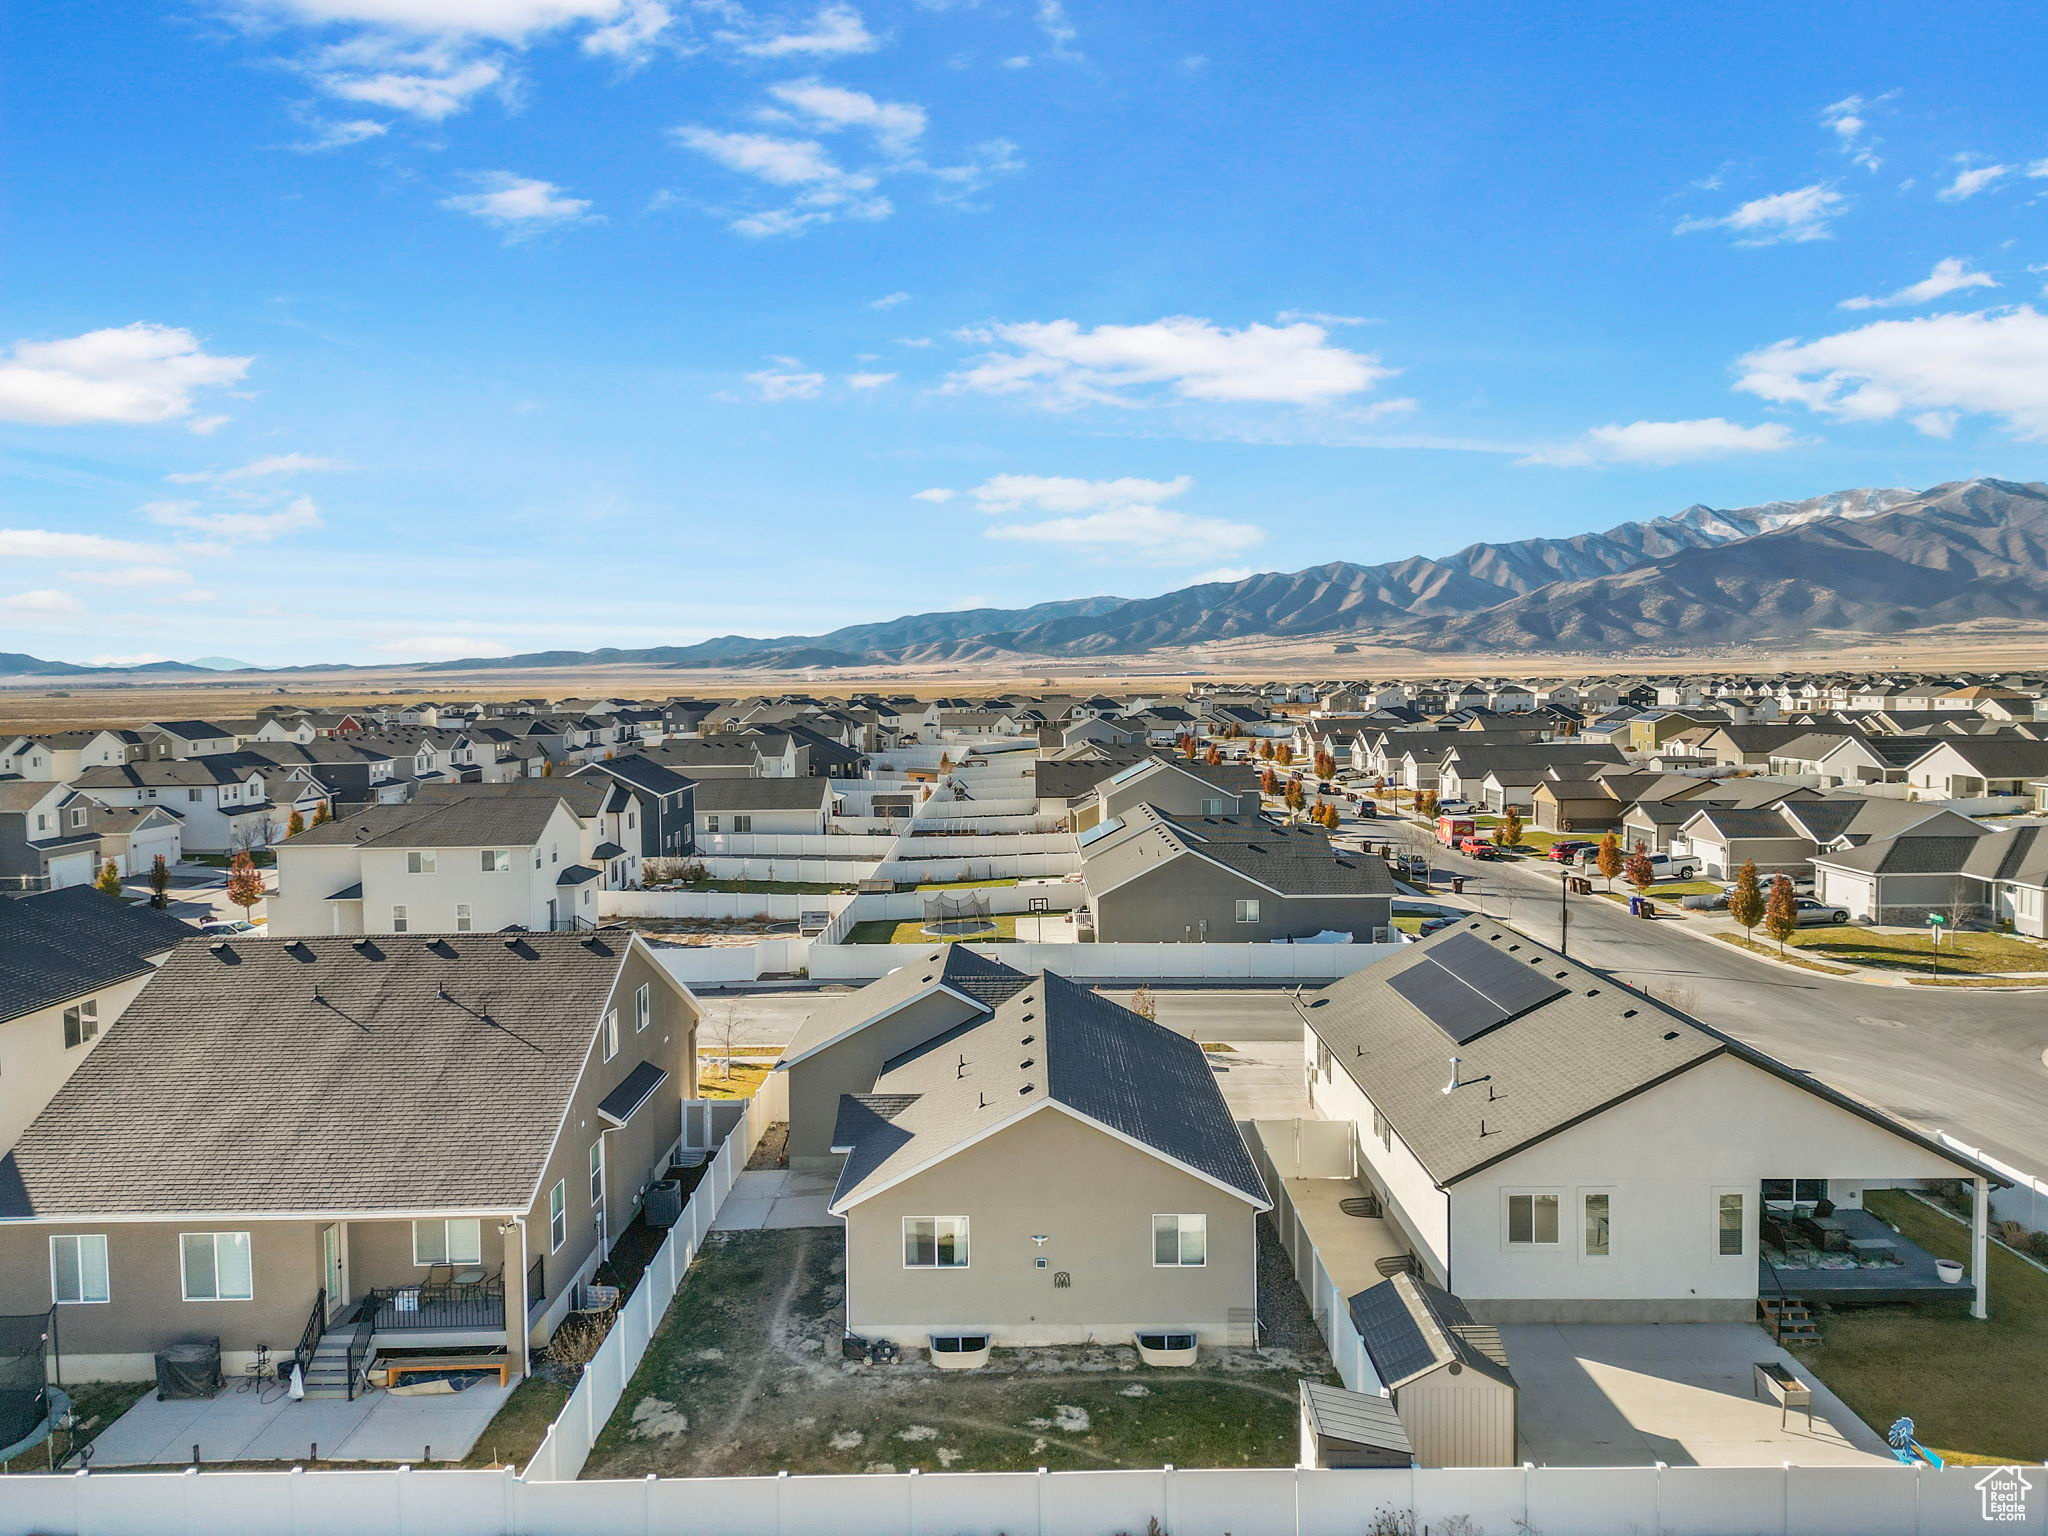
(439, 1282)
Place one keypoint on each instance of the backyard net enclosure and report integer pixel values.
(24, 1392)
(954, 914)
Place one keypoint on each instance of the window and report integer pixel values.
(81, 1022)
(462, 917)
(643, 1007)
(558, 1215)
(78, 817)
(1800, 1191)
(710, 823)
(459, 1241)
(216, 1266)
(496, 861)
(420, 862)
(1216, 807)
(1599, 1235)
(1180, 1241)
(398, 920)
(1382, 1129)
(935, 1242)
(78, 1268)
(1248, 911)
(743, 823)
(597, 1174)
(611, 1033)
(1730, 1230)
(193, 796)
(1532, 1219)
(536, 856)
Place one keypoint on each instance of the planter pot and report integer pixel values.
(1950, 1270)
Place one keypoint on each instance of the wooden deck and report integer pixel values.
(1912, 1278)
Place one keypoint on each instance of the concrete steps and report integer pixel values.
(327, 1375)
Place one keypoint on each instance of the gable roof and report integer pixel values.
(956, 968)
(715, 795)
(465, 821)
(1054, 1045)
(1590, 1044)
(468, 1045)
(1410, 1328)
(63, 944)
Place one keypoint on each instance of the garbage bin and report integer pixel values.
(1457, 885)
(1635, 906)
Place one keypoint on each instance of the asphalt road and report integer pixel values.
(1967, 1061)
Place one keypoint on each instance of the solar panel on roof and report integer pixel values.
(1457, 1009)
(1511, 984)
(1124, 773)
(1393, 1340)
(1100, 830)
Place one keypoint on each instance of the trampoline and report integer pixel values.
(957, 914)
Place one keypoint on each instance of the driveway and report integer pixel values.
(1967, 1061)
(1629, 1395)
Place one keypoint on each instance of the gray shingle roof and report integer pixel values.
(268, 1076)
(462, 821)
(722, 795)
(62, 944)
(974, 976)
(1054, 1043)
(1411, 1327)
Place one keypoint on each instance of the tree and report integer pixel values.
(1638, 871)
(1326, 765)
(1781, 912)
(1607, 858)
(1746, 902)
(1187, 746)
(1284, 755)
(1425, 804)
(1213, 756)
(322, 813)
(159, 883)
(109, 881)
(1269, 783)
(1266, 749)
(1509, 833)
(1295, 798)
(295, 825)
(1144, 1004)
(547, 769)
(245, 884)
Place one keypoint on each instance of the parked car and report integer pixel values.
(1367, 810)
(221, 926)
(1566, 850)
(1474, 847)
(1810, 911)
(1454, 807)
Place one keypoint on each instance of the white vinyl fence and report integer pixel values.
(569, 1439)
(1556, 1501)
(1124, 962)
(2026, 1202)
(714, 904)
(818, 871)
(1285, 1149)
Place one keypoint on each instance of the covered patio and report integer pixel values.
(1858, 1260)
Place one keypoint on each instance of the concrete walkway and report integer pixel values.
(776, 1197)
(1627, 1395)
(240, 1426)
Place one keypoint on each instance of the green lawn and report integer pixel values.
(745, 1080)
(882, 931)
(1973, 1388)
(1790, 957)
(766, 887)
(1970, 954)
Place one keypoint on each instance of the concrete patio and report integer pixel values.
(776, 1197)
(240, 1426)
(1679, 1393)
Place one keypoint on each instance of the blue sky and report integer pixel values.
(379, 330)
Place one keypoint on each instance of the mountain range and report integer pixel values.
(1871, 562)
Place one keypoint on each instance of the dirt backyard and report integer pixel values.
(746, 1377)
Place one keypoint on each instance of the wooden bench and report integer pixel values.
(408, 1365)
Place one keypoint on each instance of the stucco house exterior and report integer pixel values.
(1556, 1147)
(280, 1138)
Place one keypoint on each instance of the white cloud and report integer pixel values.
(869, 380)
(889, 300)
(133, 659)
(1066, 493)
(257, 469)
(42, 606)
(1972, 180)
(827, 191)
(1669, 442)
(1321, 317)
(1223, 573)
(1796, 216)
(896, 125)
(937, 494)
(521, 205)
(39, 544)
(1848, 119)
(506, 20)
(639, 25)
(1058, 28)
(260, 527)
(136, 576)
(135, 374)
(835, 29)
(441, 648)
(430, 83)
(1929, 369)
(1152, 534)
(1950, 275)
(340, 135)
(786, 383)
(1192, 358)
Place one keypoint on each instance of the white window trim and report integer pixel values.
(1239, 912)
(1583, 1196)
(965, 1243)
(106, 1270)
(1508, 1195)
(421, 861)
(1177, 1217)
(1749, 1197)
(611, 1033)
(599, 1175)
(558, 1215)
(448, 1255)
(643, 1006)
(185, 1280)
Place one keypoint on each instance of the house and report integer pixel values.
(1932, 866)
(1554, 1146)
(46, 841)
(667, 802)
(473, 863)
(1177, 786)
(223, 803)
(133, 837)
(60, 756)
(1969, 767)
(1156, 878)
(279, 1139)
(184, 738)
(802, 806)
(609, 817)
(1058, 1171)
(70, 962)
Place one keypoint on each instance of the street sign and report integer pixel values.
(1935, 919)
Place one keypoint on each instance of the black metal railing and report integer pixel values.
(359, 1350)
(424, 1308)
(572, 924)
(316, 1325)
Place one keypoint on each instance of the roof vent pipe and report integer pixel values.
(1453, 1083)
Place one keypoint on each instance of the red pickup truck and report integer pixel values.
(1477, 847)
